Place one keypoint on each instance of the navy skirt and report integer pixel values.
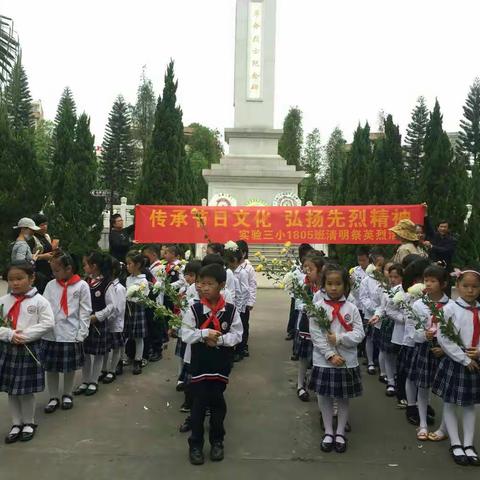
(96, 342)
(303, 347)
(336, 382)
(115, 340)
(386, 331)
(427, 365)
(20, 374)
(404, 359)
(135, 321)
(62, 357)
(455, 384)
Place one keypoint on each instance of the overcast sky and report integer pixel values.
(340, 61)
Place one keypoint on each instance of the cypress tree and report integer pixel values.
(469, 135)
(159, 181)
(336, 159)
(312, 163)
(291, 142)
(118, 167)
(414, 148)
(18, 98)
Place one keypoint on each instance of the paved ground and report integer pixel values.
(129, 429)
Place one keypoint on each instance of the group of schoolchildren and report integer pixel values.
(402, 337)
(93, 324)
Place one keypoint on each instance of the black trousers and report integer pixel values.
(154, 338)
(291, 317)
(245, 317)
(207, 394)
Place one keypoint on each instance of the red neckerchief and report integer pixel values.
(476, 326)
(212, 317)
(65, 284)
(169, 267)
(14, 311)
(336, 314)
(310, 285)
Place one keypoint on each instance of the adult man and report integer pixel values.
(119, 238)
(440, 244)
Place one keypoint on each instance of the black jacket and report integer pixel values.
(120, 242)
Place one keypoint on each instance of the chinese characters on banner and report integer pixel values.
(318, 224)
(254, 58)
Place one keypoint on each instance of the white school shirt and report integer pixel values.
(423, 311)
(409, 332)
(242, 289)
(347, 342)
(138, 280)
(74, 327)
(370, 297)
(116, 321)
(157, 269)
(34, 320)
(300, 278)
(388, 309)
(230, 284)
(252, 283)
(357, 276)
(463, 321)
(191, 334)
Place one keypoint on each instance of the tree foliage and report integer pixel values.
(291, 142)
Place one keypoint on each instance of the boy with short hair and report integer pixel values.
(212, 327)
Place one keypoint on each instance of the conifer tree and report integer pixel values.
(414, 148)
(313, 165)
(336, 156)
(290, 144)
(18, 98)
(118, 167)
(159, 181)
(469, 135)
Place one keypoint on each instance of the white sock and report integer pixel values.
(87, 368)
(96, 368)
(390, 367)
(342, 417)
(450, 417)
(138, 349)
(302, 372)
(116, 355)
(15, 409)
(326, 408)
(381, 363)
(423, 398)
(53, 382)
(468, 426)
(68, 380)
(106, 357)
(27, 402)
(411, 391)
(369, 350)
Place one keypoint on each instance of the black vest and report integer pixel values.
(97, 294)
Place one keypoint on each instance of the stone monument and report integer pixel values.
(253, 172)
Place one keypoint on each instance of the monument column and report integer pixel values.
(253, 171)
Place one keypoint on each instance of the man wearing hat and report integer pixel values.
(21, 250)
(405, 231)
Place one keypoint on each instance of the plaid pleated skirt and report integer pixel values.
(180, 348)
(20, 374)
(303, 347)
(427, 365)
(135, 321)
(376, 336)
(386, 331)
(336, 382)
(62, 357)
(412, 373)
(404, 359)
(96, 342)
(115, 340)
(455, 384)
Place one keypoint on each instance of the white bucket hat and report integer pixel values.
(27, 223)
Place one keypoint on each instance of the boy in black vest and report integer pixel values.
(212, 328)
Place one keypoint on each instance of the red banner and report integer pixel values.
(318, 224)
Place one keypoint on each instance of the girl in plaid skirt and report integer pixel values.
(62, 348)
(98, 267)
(336, 374)
(427, 351)
(25, 317)
(458, 376)
(312, 266)
(135, 318)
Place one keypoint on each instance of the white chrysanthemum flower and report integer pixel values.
(230, 245)
(398, 298)
(370, 269)
(133, 290)
(188, 254)
(416, 290)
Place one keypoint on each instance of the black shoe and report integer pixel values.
(412, 416)
(67, 405)
(459, 459)
(390, 391)
(217, 452)
(326, 447)
(109, 378)
(303, 395)
(81, 389)
(154, 357)
(185, 408)
(294, 358)
(237, 357)
(245, 353)
(102, 376)
(119, 369)
(137, 367)
(196, 456)
(371, 370)
(180, 387)
(383, 379)
(27, 436)
(186, 426)
(475, 461)
(340, 447)
(51, 407)
(289, 336)
(92, 389)
(13, 437)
